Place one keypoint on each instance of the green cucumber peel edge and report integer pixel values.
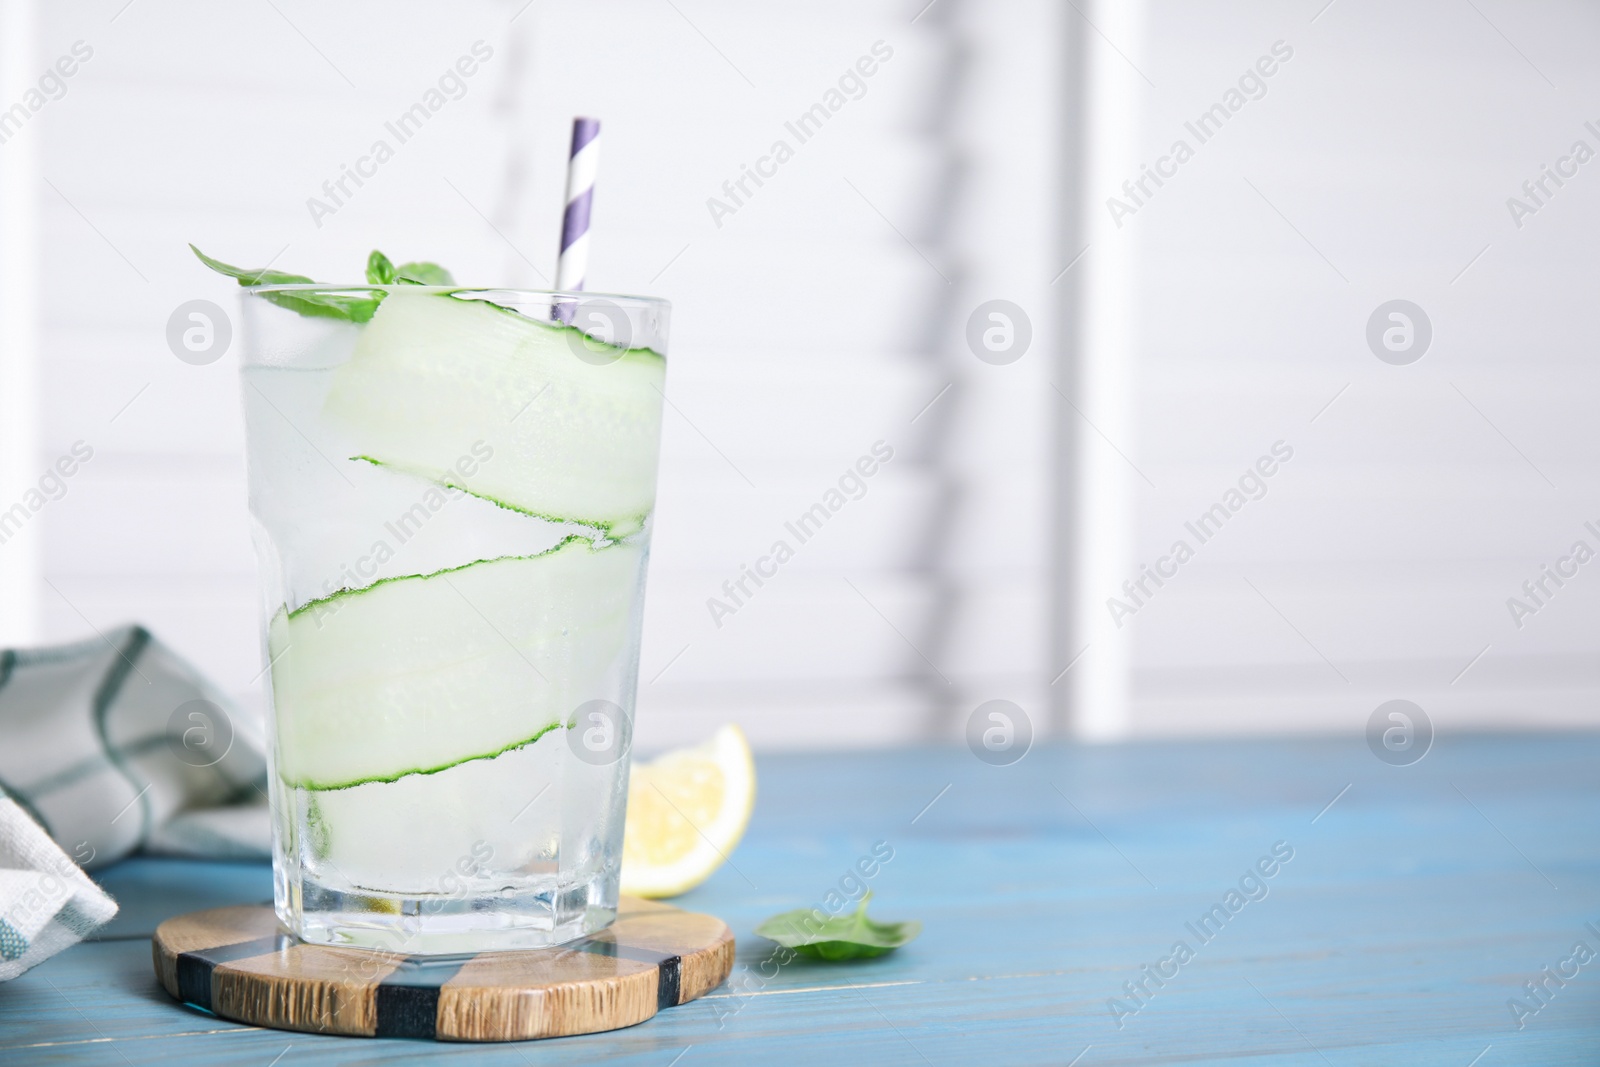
(628, 525)
(342, 593)
(327, 787)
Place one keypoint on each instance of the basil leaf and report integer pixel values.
(423, 274)
(838, 937)
(351, 307)
(379, 270)
(251, 277)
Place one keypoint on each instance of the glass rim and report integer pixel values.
(576, 295)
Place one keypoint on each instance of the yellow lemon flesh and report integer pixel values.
(687, 810)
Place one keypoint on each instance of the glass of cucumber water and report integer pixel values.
(452, 493)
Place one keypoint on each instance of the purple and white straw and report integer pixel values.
(582, 162)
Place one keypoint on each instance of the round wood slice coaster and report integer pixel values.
(237, 963)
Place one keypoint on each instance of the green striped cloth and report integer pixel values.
(108, 746)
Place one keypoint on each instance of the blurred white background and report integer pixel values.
(1171, 345)
(1377, 166)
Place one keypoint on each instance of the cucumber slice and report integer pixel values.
(573, 441)
(417, 674)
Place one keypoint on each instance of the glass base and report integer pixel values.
(450, 924)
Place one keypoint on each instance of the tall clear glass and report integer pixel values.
(452, 493)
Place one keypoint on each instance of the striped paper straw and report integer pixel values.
(582, 162)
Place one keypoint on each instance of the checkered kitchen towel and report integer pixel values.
(108, 746)
(46, 902)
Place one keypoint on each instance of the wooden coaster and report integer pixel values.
(238, 964)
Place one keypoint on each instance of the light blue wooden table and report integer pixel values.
(1414, 908)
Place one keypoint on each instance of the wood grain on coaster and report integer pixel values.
(238, 964)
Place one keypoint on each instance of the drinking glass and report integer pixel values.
(451, 492)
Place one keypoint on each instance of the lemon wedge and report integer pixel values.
(687, 810)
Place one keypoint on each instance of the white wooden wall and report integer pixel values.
(827, 311)
(1377, 166)
(824, 315)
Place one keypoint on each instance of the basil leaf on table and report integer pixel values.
(839, 937)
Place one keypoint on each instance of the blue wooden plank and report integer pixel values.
(148, 890)
(1413, 908)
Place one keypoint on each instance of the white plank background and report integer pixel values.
(823, 316)
(1390, 142)
(828, 312)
